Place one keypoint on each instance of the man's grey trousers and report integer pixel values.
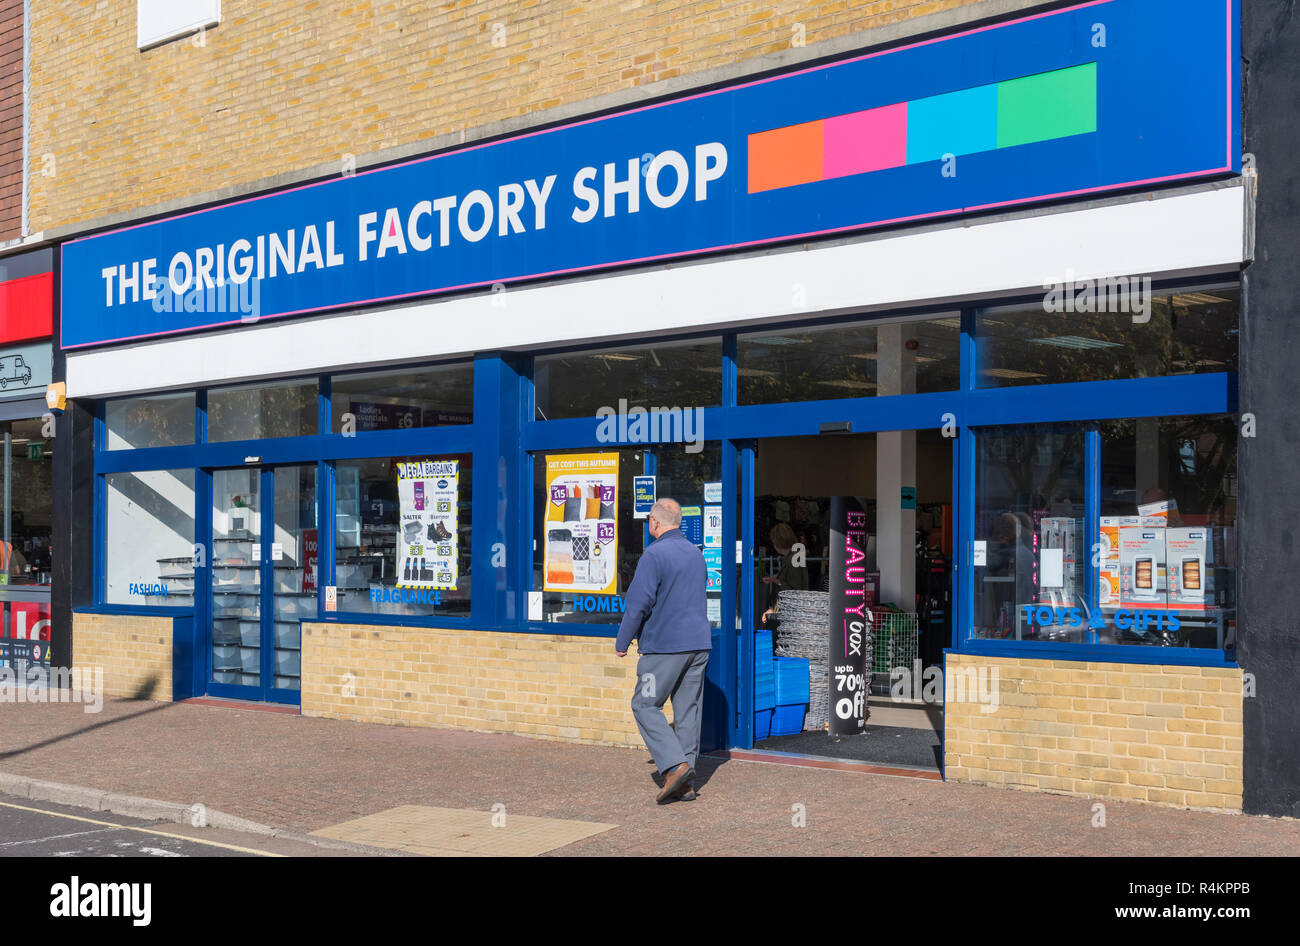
(679, 677)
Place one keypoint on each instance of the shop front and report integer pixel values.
(26, 310)
(935, 316)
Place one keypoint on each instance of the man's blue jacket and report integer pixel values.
(666, 605)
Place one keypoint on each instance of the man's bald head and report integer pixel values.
(667, 512)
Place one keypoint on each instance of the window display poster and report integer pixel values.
(713, 527)
(643, 496)
(428, 499)
(581, 551)
(713, 564)
(310, 555)
(693, 524)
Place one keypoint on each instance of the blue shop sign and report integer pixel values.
(1103, 95)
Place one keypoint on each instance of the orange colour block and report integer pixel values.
(785, 156)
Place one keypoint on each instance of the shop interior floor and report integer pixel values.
(880, 745)
(462, 832)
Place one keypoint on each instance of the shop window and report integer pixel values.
(1029, 531)
(149, 538)
(26, 483)
(1136, 335)
(262, 411)
(587, 539)
(861, 359)
(669, 374)
(402, 535)
(160, 420)
(395, 400)
(1166, 545)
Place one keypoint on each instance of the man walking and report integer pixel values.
(667, 611)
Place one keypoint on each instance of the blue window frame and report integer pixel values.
(505, 436)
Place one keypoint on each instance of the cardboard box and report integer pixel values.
(1166, 510)
(1108, 582)
(1142, 567)
(1190, 555)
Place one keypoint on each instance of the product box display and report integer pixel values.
(1108, 578)
(1190, 556)
(1060, 533)
(1142, 567)
(1166, 510)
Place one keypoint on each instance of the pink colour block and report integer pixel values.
(865, 141)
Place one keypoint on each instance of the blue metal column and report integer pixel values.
(496, 601)
(964, 573)
(721, 673)
(745, 705)
(1091, 521)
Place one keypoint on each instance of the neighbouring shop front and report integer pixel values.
(26, 483)
(427, 510)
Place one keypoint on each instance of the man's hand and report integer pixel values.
(621, 653)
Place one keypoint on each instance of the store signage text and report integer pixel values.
(599, 604)
(1125, 618)
(1028, 110)
(155, 589)
(405, 596)
(512, 208)
(849, 619)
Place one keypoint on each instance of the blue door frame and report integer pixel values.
(266, 691)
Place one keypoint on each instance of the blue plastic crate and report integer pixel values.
(764, 672)
(787, 720)
(762, 724)
(791, 680)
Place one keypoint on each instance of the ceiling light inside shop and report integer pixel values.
(1198, 298)
(848, 383)
(776, 340)
(742, 372)
(1011, 374)
(618, 357)
(1075, 342)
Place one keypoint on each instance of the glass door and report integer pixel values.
(292, 595)
(263, 582)
(237, 582)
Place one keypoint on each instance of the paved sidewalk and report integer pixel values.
(303, 775)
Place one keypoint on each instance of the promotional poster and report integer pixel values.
(582, 523)
(427, 492)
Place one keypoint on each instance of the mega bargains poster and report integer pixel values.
(581, 551)
(427, 493)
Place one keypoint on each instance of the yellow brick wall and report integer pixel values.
(285, 86)
(548, 686)
(1167, 735)
(135, 652)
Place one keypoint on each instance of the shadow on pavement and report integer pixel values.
(141, 693)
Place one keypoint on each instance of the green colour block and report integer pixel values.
(1049, 105)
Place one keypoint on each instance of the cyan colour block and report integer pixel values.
(964, 122)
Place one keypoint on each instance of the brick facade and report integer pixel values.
(1167, 735)
(11, 119)
(542, 685)
(135, 652)
(280, 87)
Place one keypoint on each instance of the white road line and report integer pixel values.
(57, 837)
(128, 827)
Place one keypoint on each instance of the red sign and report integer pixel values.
(27, 308)
(310, 552)
(29, 620)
